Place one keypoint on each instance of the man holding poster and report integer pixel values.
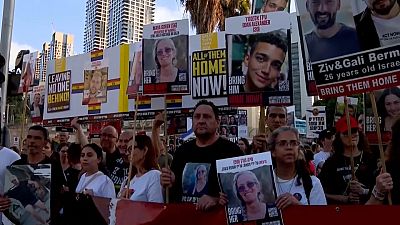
(198, 157)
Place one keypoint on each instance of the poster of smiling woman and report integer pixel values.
(249, 185)
(165, 58)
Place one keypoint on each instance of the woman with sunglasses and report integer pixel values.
(145, 184)
(294, 184)
(336, 174)
(165, 59)
(93, 181)
(247, 188)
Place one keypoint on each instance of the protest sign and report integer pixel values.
(316, 121)
(242, 126)
(135, 72)
(36, 103)
(208, 69)
(195, 181)
(248, 180)
(28, 188)
(165, 58)
(291, 110)
(360, 55)
(265, 6)
(59, 91)
(253, 78)
(30, 73)
(176, 125)
(92, 84)
(388, 104)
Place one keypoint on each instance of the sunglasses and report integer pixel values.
(286, 143)
(353, 131)
(242, 188)
(165, 50)
(274, 115)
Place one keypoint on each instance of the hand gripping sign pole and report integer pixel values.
(378, 130)
(133, 146)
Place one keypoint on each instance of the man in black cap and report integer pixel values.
(325, 140)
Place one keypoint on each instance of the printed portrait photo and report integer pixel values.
(95, 86)
(195, 179)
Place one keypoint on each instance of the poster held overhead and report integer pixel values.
(258, 65)
(165, 58)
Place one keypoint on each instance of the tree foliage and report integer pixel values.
(208, 15)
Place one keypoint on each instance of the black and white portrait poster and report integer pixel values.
(248, 181)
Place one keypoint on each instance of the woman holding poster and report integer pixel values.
(165, 59)
(294, 184)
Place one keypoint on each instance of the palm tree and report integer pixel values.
(207, 15)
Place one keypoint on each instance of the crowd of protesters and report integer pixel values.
(303, 176)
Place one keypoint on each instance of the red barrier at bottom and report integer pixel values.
(136, 213)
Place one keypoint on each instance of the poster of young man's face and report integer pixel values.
(259, 64)
(267, 6)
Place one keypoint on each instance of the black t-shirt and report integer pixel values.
(336, 174)
(191, 153)
(117, 168)
(57, 181)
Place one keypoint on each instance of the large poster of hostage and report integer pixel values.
(388, 105)
(248, 181)
(95, 82)
(28, 188)
(165, 58)
(258, 60)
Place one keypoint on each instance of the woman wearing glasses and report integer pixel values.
(293, 182)
(145, 181)
(201, 177)
(336, 175)
(165, 58)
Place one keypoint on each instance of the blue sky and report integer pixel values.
(35, 21)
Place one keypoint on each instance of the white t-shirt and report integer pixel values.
(320, 157)
(7, 157)
(388, 30)
(147, 188)
(101, 185)
(317, 195)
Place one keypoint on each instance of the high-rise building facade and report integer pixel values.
(126, 20)
(95, 35)
(61, 45)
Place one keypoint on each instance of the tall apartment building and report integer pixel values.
(95, 35)
(126, 20)
(61, 45)
(113, 22)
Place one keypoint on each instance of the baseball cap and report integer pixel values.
(341, 124)
(327, 133)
